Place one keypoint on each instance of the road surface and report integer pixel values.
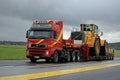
(91, 70)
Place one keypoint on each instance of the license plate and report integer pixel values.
(36, 57)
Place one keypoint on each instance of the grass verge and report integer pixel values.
(116, 52)
(12, 52)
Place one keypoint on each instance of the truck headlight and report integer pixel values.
(29, 45)
(47, 52)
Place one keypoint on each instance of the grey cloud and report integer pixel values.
(74, 11)
(105, 13)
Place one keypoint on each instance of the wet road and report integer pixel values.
(23, 67)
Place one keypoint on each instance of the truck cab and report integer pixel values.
(44, 38)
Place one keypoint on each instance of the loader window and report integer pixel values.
(96, 29)
(76, 36)
(87, 28)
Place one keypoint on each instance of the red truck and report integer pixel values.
(45, 41)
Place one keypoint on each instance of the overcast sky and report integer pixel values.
(16, 16)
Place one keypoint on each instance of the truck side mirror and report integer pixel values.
(58, 22)
(27, 34)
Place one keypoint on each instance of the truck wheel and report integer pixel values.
(55, 57)
(73, 57)
(97, 47)
(33, 60)
(47, 60)
(67, 59)
(78, 56)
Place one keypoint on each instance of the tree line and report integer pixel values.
(12, 43)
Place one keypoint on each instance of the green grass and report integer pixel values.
(116, 52)
(12, 52)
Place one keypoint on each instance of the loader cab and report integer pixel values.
(89, 27)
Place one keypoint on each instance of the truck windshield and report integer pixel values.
(39, 34)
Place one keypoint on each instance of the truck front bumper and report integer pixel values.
(38, 53)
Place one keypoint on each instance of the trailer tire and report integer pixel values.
(73, 57)
(68, 58)
(55, 57)
(109, 57)
(112, 57)
(78, 56)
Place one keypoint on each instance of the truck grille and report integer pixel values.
(37, 55)
(38, 45)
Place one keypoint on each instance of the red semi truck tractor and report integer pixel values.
(45, 41)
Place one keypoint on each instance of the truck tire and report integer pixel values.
(47, 60)
(55, 57)
(97, 47)
(33, 60)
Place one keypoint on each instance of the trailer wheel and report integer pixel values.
(112, 57)
(33, 60)
(109, 57)
(67, 59)
(78, 56)
(73, 57)
(97, 47)
(55, 57)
